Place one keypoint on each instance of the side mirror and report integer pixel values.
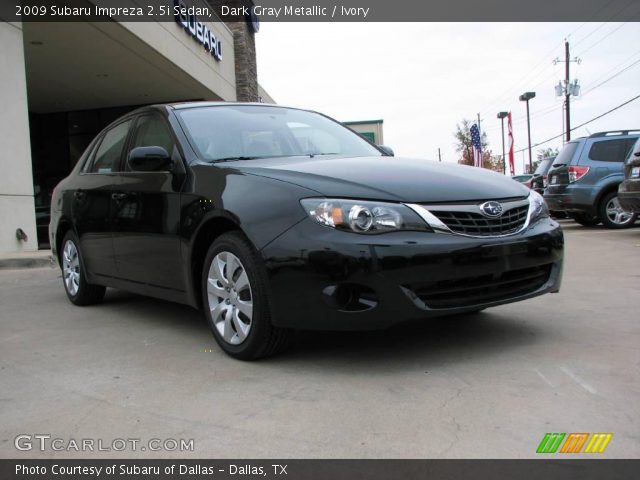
(149, 159)
(388, 151)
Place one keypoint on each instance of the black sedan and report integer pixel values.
(272, 219)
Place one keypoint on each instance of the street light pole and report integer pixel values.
(525, 97)
(501, 116)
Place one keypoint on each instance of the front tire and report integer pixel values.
(235, 300)
(79, 291)
(613, 215)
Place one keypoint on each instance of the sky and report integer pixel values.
(424, 78)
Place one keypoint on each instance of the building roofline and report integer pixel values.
(363, 122)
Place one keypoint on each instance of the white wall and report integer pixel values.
(17, 208)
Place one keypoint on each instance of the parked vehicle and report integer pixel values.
(271, 218)
(629, 190)
(585, 176)
(524, 179)
(539, 180)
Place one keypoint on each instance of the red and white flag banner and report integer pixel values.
(512, 168)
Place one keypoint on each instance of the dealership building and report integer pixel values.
(63, 82)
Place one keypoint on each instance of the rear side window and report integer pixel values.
(611, 150)
(107, 156)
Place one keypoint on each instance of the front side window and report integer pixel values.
(151, 131)
(247, 132)
(107, 156)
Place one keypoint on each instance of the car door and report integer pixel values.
(91, 204)
(146, 212)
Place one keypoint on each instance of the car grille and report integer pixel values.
(468, 291)
(476, 224)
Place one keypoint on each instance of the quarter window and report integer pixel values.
(611, 150)
(107, 156)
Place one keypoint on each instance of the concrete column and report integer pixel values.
(244, 46)
(17, 208)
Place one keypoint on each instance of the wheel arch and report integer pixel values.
(206, 235)
(605, 190)
(64, 225)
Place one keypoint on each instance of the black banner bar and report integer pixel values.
(321, 10)
(546, 469)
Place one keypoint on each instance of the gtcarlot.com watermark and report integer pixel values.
(45, 442)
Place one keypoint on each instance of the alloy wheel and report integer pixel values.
(230, 298)
(71, 267)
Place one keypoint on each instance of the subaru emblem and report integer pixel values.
(491, 209)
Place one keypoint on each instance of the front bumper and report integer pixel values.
(629, 195)
(325, 279)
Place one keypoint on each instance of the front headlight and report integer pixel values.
(363, 216)
(537, 207)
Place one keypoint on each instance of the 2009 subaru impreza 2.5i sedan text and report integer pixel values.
(272, 219)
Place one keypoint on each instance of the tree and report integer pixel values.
(464, 147)
(547, 152)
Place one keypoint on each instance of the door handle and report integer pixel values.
(118, 196)
(79, 195)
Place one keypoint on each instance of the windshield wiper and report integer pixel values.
(233, 159)
(311, 155)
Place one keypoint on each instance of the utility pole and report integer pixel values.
(439, 156)
(568, 88)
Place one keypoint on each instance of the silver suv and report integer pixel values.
(583, 180)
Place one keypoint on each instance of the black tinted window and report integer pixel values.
(107, 156)
(151, 131)
(611, 150)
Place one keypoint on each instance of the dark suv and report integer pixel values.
(539, 180)
(585, 176)
(629, 191)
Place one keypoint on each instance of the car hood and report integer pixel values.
(386, 178)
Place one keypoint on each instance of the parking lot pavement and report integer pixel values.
(489, 385)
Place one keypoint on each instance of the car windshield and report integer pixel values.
(544, 165)
(247, 132)
(566, 154)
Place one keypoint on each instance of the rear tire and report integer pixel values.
(79, 291)
(585, 219)
(613, 215)
(236, 301)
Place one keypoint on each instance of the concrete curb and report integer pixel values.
(27, 260)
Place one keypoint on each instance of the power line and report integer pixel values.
(543, 111)
(582, 124)
(611, 77)
(588, 86)
(517, 85)
(602, 38)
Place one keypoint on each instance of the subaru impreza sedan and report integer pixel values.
(273, 219)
